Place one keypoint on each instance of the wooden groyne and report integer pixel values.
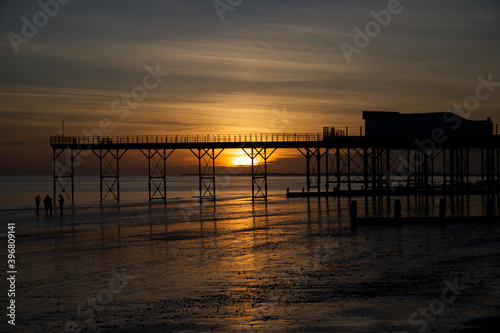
(397, 219)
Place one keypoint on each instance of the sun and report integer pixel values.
(241, 159)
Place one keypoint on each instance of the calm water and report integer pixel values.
(286, 265)
(18, 193)
(291, 265)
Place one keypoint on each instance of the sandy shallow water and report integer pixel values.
(284, 266)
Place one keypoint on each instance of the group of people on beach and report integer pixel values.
(47, 202)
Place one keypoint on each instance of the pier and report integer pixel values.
(337, 162)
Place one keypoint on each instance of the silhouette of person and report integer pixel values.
(48, 205)
(37, 201)
(61, 203)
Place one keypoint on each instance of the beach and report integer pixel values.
(282, 266)
(250, 166)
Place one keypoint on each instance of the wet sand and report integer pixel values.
(288, 266)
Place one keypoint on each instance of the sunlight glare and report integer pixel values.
(241, 159)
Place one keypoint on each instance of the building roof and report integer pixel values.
(393, 114)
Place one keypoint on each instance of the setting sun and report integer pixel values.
(241, 159)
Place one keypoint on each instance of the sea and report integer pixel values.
(281, 265)
(17, 193)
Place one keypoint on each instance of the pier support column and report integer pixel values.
(347, 166)
(467, 176)
(452, 170)
(463, 169)
(313, 167)
(365, 169)
(444, 185)
(332, 168)
(338, 173)
(374, 169)
(388, 184)
(259, 156)
(206, 171)
(349, 187)
(63, 172)
(327, 171)
(496, 168)
(109, 170)
(488, 166)
(157, 171)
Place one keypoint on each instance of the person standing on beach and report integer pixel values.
(48, 205)
(37, 202)
(61, 203)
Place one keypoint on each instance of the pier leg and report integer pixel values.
(388, 171)
(109, 169)
(442, 207)
(333, 171)
(374, 170)
(259, 157)
(353, 210)
(308, 170)
(339, 172)
(349, 170)
(54, 180)
(452, 170)
(63, 172)
(318, 170)
(72, 176)
(482, 169)
(408, 169)
(206, 171)
(345, 167)
(467, 172)
(313, 167)
(491, 166)
(397, 209)
(365, 169)
(157, 171)
(496, 168)
(432, 157)
(487, 167)
(444, 185)
(327, 171)
(425, 167)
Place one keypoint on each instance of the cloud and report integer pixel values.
(229, 76)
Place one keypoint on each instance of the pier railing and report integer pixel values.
(360, 131)
(216, 138)
(346, 131)
(207, 138)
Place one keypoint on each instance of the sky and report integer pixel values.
(240, 66)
